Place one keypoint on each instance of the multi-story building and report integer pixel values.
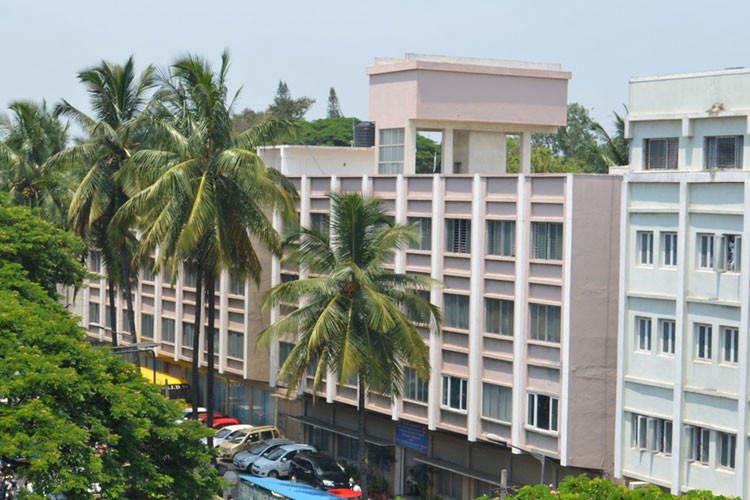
(682, 405)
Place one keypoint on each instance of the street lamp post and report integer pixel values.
(538, 456)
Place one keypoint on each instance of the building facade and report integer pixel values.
(682, 402)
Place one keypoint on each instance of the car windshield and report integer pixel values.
(327, 466)
(276, 454)
(238, 437)
(222, 433)
(258, 448)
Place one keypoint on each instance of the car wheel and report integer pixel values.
(294, 478)
(273, 474)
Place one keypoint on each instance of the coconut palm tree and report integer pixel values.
(118, 97)
(29, 137)
(615, 149)
(354, 313)
(203, 195)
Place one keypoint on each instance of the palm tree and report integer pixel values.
(354, 313)
(29, 138)
(615, 150)
(204, 194)
(118, 98)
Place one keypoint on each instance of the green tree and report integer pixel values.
(354, 313)
(327, 132)
(334, 108)
(203, 196)
(427, 156)
(28, 138)
(247, 118)
(62, 400)
(118, 97)
(615, 149)
(285, 107)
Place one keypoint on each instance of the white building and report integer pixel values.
(682, 419)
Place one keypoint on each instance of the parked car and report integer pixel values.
(276, 463)
(224, 433)
(243, 460)
(222, 422)
(243, 439)
(318, 470)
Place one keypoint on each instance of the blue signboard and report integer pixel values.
(411, 435)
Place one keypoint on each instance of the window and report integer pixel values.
(547, 240)
(188, 334)
(728, 258)
(705, 251)
(542, 412)
(147, 326)
(458, 235)
(94, 312)
(415, 388)
(727, 449)
(148, 270)
(450, 485)
(703, 342)
(669, 249)
(167, 330)
(415, 316)
(497, 402)
(108, 313)
(285, 349)
(424, 237)
(235, 344)
(347, 448)
(454, 392)
(545, 322)
(700, 440)
(456, 311)
(501, 238)
(724, 152)
(645, 248)
(391, 151)
(236, 285)
(729, 344)
(652, 434)
(95, 260)
(643, 334)
(666, 327)
(498, 316)
(660, 153)
(320, 224)
(191, 276)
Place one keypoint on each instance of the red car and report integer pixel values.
(224, 421)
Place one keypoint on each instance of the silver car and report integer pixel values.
(243, 460)
(278, 462)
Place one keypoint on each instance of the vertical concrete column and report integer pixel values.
(436, 297)
(742, 489)
(520, 314)
(179, 309)
(158, 293)
(565, 406)
(502, 159)
(273, 365)
(223, 330)
(331, 388)
(620, 446)
(525, 152)
(446, 151)
(476, 309)
(410, 148)
(400, 259)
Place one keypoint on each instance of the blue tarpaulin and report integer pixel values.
(290, 490)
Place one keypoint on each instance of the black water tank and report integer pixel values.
(364, 135)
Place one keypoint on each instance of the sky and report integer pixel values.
(316, 45)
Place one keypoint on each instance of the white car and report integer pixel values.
(225, 432)
(277, 463)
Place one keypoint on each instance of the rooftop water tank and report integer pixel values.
(364, 135)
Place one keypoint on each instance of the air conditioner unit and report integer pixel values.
(637, 484)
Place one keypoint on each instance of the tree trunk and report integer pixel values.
(129, 295)
(211, 316)
(112, 313)
(362, 447)
(195, 393)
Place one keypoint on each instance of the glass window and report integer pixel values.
(147, 326)
(651, 434)
(497, 402)
(542, 412)
(391, 151)
(666, 327)
(235, 344)
(501, 238)
(285, 349)
(167, 330)
(148, 270)
(729, 344)
(415, 388)
(188, 334)
(236, 285)
(458, 235)
(703, 342)
(545, 322)
(456, 311)
(700, 441)
(643, 334)
(347, 448)
(424, 236)
(728, 258)
(705, 251)
(94, 312)
(191, 276)
(727, 449)
(723, 152)
(450, 485)
(95, 262)
(454, 392)
(547, 240)
(320, 223)
(660, 153)
(645, 248)
(669, 249)
(498, 316)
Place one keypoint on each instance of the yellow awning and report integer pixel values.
(161, 377)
